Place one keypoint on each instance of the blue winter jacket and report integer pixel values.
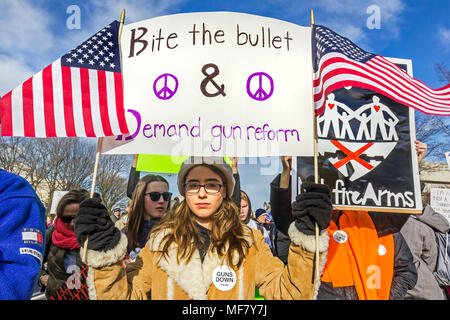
(22, 237)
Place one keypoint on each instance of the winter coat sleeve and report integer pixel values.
(276, 281)
(405, 273)
(109, 280)
(133, 179)
(280, 200)
(22, 236)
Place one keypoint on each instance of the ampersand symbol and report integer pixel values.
(209, 78)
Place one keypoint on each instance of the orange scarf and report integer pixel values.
(357, 261)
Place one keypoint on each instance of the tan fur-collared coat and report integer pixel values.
(151, 277)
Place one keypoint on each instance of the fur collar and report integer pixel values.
(194, 277)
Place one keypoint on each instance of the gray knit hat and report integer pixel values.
(217, 162)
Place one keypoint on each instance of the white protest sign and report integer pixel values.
(216, 84)
(57, 195)
(440, 201)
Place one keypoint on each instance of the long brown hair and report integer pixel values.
(137, 212)
(227, 234)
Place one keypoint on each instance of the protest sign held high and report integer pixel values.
(217, 83)
(366, 152)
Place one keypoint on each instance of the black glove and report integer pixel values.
(311, 206)
(93, 221)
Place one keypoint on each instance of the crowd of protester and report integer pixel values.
(166, 247)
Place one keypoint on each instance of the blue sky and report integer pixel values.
(34, 34)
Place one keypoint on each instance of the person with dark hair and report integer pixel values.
(368, 259)
(149, 202)
(201, 250)
(22, 236)
(62, 252)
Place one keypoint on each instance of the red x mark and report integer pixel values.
(352, 155)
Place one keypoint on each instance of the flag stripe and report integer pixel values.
(120, 110)
(38, 105)
(112, 102)
(103, 102)
(95, 106)
(68, 101)
(345, 64)
(79, 95)
(60, 128)
(383, 62)
(28, 110)
(389, 70)
(77, 103)
(404, 94)
(6, 115)
(379, 64)
(398, 94)
(86, 103)
(346, 80)
(339, 63)
(384, 84)
(436, 95)
(49, 113)
(17, 113)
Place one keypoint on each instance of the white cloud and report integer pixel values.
(134, 10)
(349, 18)
(16, 71)
(29, 39)
(444, 36)
(25, 28)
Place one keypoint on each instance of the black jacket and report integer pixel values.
(54, 260)
(405, 273)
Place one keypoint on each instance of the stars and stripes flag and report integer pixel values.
(338, 63)
(78, 95)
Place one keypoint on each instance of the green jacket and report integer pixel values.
(54, 260)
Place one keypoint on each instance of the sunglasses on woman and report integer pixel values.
(155, 196)
(67, 219)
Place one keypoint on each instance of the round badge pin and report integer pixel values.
(224, 278)
(340, 236)
(381, 250)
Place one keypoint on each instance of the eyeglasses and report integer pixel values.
(67, 219)
(155, 196)
(210, 188)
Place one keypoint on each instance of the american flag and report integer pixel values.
(338, 63)
(78, 95)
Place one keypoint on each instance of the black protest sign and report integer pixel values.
(366, 153)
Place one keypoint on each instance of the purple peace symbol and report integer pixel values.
(260, 94)
(167, 91)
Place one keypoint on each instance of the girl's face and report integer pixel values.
(155, 209)
(244, 210)
(201, 203)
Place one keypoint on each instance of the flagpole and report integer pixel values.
(316, 171)
(100, 143)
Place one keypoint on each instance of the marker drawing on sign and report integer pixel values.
(166, 91)
(209, 78)
(260, 94)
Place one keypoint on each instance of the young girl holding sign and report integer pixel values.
(201, 250)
